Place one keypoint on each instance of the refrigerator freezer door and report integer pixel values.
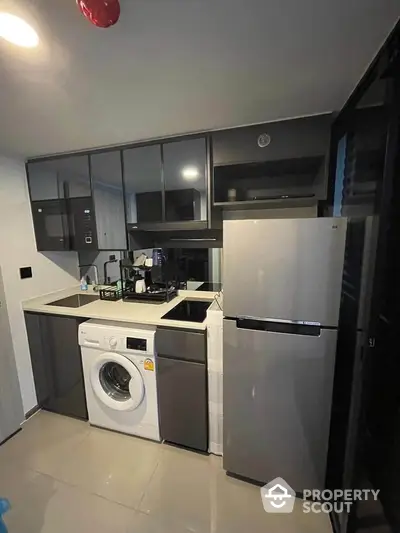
(284, 269)
(277, 392)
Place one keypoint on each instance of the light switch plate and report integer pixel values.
(25, 272)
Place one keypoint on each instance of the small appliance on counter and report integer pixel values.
(146, 279)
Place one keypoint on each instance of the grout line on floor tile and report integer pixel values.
(86, 491)
(83, 490)
(53, 478)
(147, 486)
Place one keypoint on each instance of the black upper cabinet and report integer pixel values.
(44, 182)
(143, 184)
(273, 161)
(274, 141)
(108, 198)
(84, 202)
(74, 174)
(62, 206)
(64, 177)
(185, 173)
(166, 185)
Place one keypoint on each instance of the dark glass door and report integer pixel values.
(44, 182)
(365, 428)
(108, 197)
(143, 185)
(185, 180)
(62, 206)
(377, 458)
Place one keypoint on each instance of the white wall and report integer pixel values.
(51, 271)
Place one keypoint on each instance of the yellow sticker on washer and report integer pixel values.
(149, 365)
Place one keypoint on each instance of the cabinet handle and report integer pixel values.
(192, 239)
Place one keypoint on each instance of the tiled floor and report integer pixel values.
(62, 475)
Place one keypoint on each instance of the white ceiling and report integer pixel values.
(178, 66)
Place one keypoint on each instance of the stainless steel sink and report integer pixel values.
(76, 300)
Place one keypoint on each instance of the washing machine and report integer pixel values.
(120, 378)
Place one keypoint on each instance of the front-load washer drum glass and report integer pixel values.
(117, 382)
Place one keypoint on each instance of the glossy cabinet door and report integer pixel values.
(182, 387)
(274, 141)
(49, 209)
(108, 197)
(61, 203)
(73, 173)
(182, 402)
(56, 363)
(62, 177)
(274, 162)
(185, 179)
(143, 184)
(44, 181)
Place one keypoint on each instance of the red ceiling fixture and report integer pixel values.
(101, 13)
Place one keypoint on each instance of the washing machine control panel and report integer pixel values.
(134, 343)
(113, 342)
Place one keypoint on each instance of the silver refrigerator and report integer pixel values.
(282, 286)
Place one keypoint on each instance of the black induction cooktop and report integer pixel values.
(189, 311)
(210, 286)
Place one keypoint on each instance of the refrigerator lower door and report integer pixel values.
(277, 404)
(286, 269)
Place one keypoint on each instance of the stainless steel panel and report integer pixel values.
(179, 344)
(277, 403)
(11, 410)
(284, 269)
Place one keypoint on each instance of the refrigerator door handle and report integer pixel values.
(289, 327)
(279, 320)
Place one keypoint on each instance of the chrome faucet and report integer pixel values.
(106, 278)
(96, 275)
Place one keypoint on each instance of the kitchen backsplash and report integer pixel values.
(98, 258)
(192, 265)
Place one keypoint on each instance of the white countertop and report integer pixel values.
(133, 312)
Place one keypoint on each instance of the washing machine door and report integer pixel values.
(117, 382)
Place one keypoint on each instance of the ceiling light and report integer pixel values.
(17, 31)
(190, 173)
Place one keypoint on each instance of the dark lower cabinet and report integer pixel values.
(182, 388)
(56, 363)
